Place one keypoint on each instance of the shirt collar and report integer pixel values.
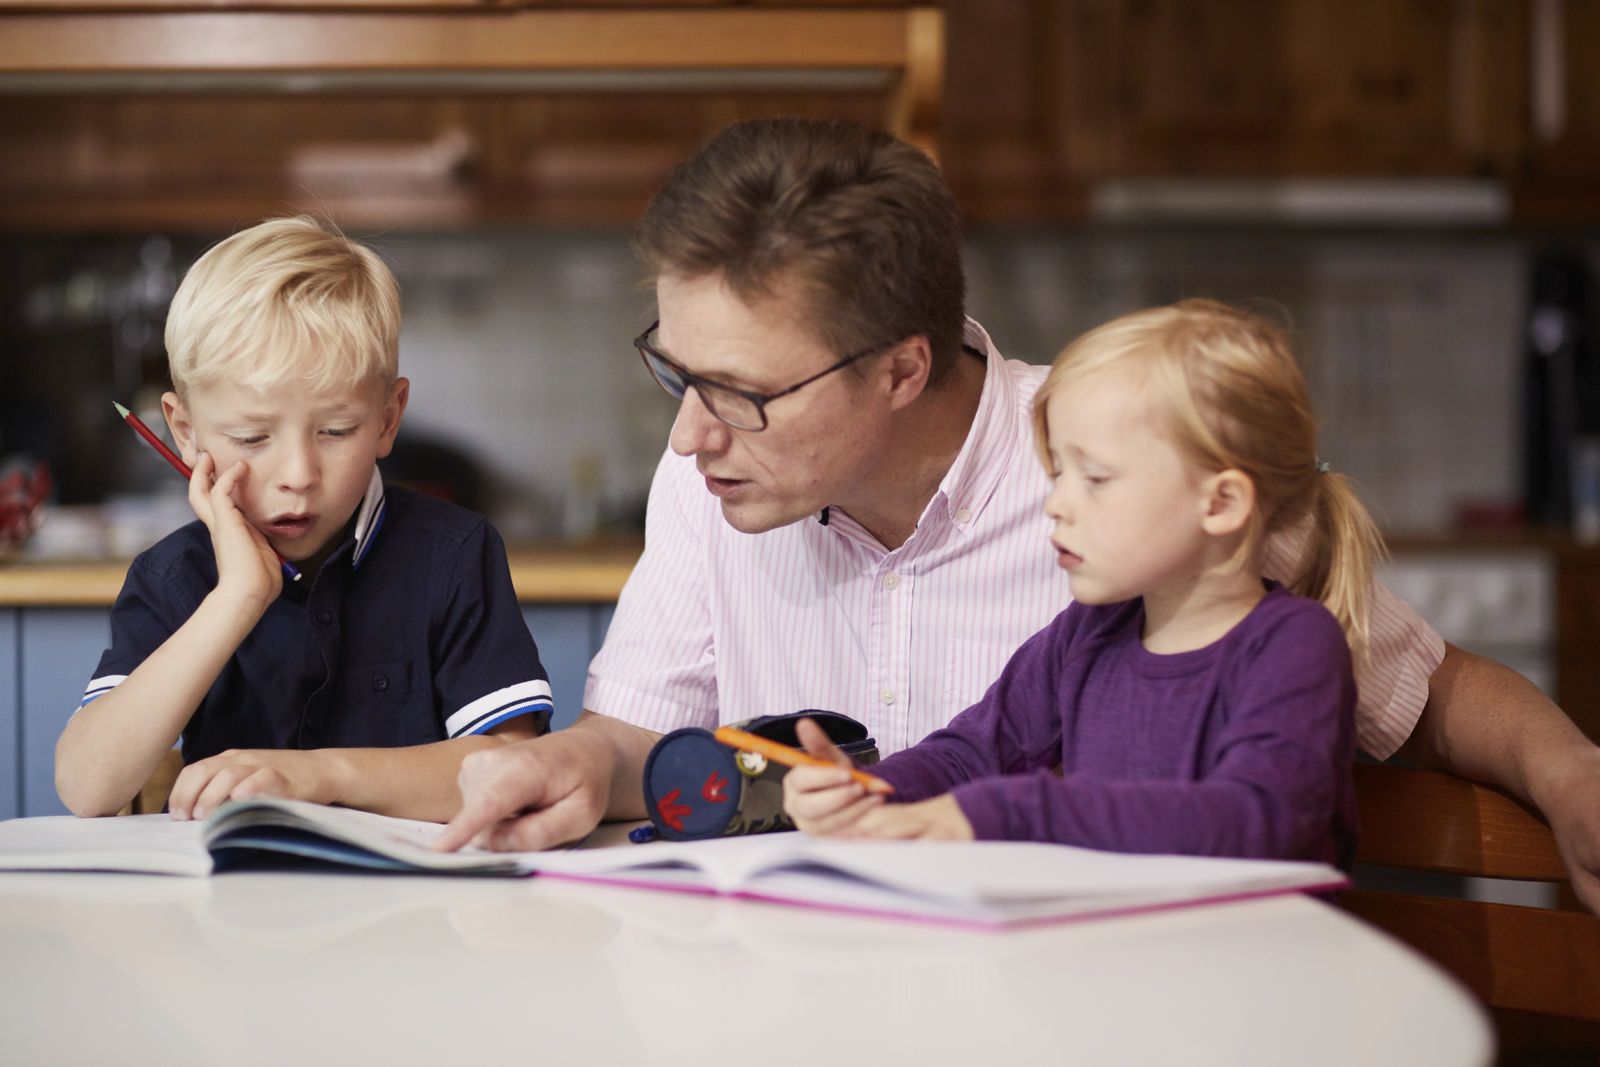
(987, 452)
(369, 518)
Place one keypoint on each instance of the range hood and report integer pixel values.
(1444, 202)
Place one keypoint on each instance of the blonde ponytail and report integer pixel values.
(1343, 548)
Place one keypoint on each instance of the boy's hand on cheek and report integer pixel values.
(939, 819)
(248, 573)
(242, 773)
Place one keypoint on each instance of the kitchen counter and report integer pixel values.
(542, 574)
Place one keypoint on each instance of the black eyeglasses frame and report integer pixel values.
(648, 351)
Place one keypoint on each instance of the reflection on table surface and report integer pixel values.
(272, 968)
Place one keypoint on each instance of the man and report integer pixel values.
(850, 514)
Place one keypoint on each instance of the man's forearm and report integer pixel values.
(414, 782)
(631, 746)
(1485, 721)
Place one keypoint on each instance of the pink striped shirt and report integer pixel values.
(717, 625)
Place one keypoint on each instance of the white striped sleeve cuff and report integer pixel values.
(494, 708)
(100, 686)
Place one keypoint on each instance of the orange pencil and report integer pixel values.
(790, 757)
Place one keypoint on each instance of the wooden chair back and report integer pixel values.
(1537, 969)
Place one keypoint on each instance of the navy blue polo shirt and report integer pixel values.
(409, 633)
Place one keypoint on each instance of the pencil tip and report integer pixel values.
(120, 409)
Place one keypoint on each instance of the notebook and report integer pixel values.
(977, 883)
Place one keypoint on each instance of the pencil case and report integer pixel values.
(697, 787)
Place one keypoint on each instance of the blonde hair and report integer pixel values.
(288, 298)
(1236, 400)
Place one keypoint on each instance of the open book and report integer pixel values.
(984, 883)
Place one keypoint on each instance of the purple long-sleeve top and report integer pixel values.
(1241, 748)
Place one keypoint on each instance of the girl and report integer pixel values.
(1182, 703)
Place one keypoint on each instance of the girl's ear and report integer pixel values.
(1229, 499)
(176, 412)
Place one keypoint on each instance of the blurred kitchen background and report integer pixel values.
(1412, 185)
(1392, 177)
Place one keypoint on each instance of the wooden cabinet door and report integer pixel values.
(1562, 72)
(1047, 97)
(1283, 87)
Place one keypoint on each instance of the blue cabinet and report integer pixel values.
(10, 724)
(48, 654)
(567, 638)
(57, 651)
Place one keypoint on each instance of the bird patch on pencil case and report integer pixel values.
(696, 787)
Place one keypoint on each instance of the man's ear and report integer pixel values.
(908, 364)
(1228, 498)
(176, 412)
(394, 406)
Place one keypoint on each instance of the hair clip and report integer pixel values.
(1323, 466)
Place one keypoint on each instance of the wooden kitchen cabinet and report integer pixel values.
(1558, 168)
(1040, 102)
(131, 115)
(1046, 99)
(212, 163)
(1308, 87)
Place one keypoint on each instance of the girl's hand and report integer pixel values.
(248, 571)
(825, 801)
(939, 819)
(241, 773)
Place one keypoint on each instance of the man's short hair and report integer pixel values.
(861, 221)
(290, 298)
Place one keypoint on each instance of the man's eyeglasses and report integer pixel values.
(742, 409)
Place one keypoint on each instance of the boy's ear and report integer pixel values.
(394, 406)
(176, 412)
(1229, 498)
(908, 364)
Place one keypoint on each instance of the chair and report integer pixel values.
(1536, 969)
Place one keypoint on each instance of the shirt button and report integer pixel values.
(324, 616)
(891, 581)
(963, 514)
(886, 695)
(380, 683)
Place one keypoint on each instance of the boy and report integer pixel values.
(366, 682)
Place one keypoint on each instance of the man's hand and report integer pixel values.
(1485, 721)
(825, 801)
(534, 794)
(241, 773)
(1573, 809)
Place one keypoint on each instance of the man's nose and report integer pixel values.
(695, 429)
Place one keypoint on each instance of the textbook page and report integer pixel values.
(153, 844)
(343, 836)
(985, 882)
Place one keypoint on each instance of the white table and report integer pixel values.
(296, 969)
